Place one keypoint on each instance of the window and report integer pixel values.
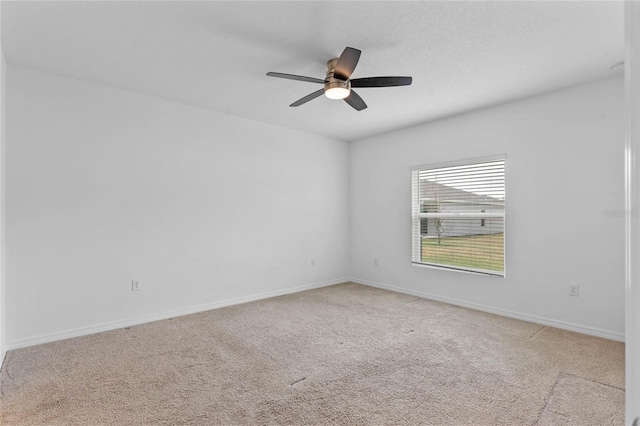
(458, 214)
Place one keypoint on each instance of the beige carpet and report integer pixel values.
(341, 355)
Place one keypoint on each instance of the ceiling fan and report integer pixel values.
(338, 84)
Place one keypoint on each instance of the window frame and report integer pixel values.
(416, 216)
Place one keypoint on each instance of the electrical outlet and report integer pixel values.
(135, 285)
(313, 262)
(375, 261)
(574, 290)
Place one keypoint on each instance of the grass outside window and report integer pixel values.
(475, 251)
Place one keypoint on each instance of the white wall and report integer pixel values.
(3, 91)
(565, 167)
(105, 186)
(632, 190)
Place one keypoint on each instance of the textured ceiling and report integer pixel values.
(462, 55)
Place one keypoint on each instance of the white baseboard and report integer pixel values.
(592, 331)
(113, 325)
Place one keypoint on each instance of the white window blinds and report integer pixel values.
(458, 216)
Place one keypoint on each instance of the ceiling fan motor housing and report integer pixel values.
(331, 82)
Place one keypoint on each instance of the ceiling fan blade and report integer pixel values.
(381, 81)
(346, 63)
(295, 77)
(307, 98)
(355, 101)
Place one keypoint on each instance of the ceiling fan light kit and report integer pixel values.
(338, 83)
(334, 88)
